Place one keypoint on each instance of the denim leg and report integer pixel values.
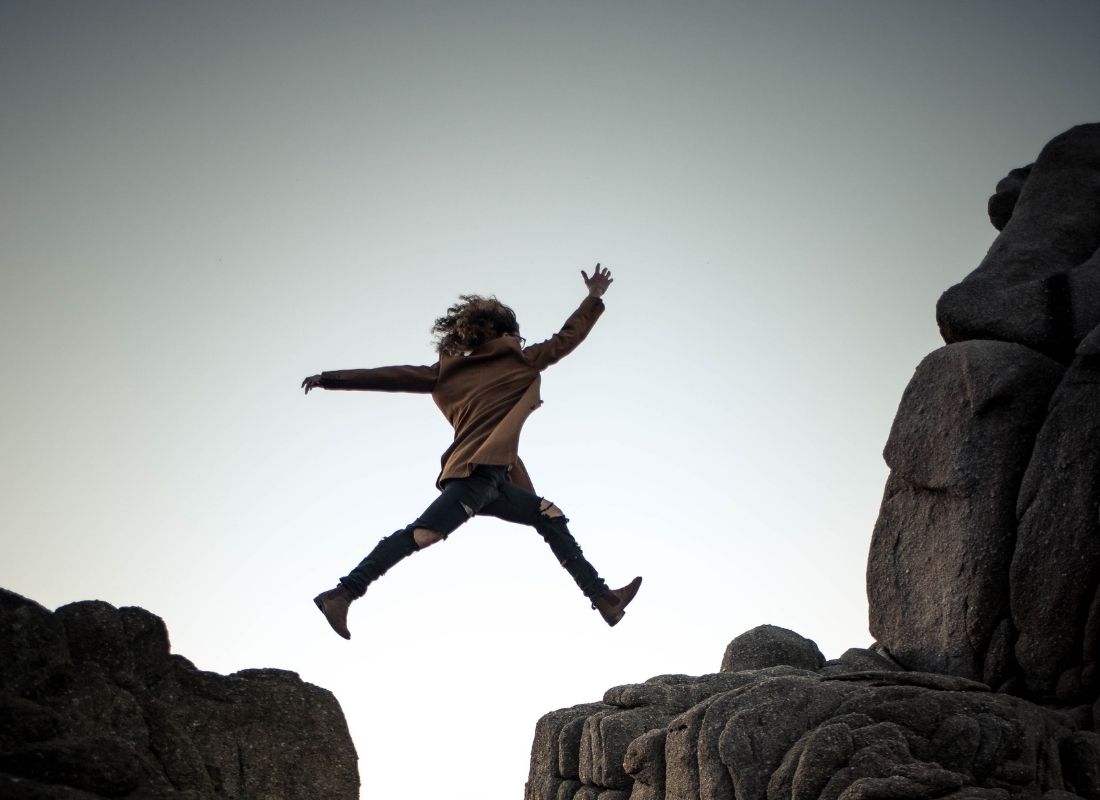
(460, 499)
(385, 554)
(520, 506)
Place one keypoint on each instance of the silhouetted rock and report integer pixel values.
(1039, 284)
(1003, 201)
(93, 705)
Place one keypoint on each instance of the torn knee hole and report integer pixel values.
(425, 537)
(469, 511)
(548, 509)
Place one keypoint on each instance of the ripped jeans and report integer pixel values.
(487, 491)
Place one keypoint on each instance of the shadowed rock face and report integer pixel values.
(983, 576)
(92, 704)
(1055, 573)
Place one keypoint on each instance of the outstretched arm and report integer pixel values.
(379, 379)
(578, 325)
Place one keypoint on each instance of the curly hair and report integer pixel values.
(473, 322)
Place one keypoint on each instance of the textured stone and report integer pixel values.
(938, 568)
(771, 646)
(1056, 566)
(644, 762)
(784, 733)
(95, 705)
(104, 766)
(1081, 763)
(858, 660)
(926, 680)
(548, 774)
(33, 643)
(606, 737)
(16, 788)
(1036, 285)
(741, 754)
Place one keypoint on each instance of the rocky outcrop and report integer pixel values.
(93, 705)
(983, 576)
(985, 560)
(858, 727)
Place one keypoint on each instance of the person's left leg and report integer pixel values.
(520, 506)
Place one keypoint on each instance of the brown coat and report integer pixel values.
(486, 395)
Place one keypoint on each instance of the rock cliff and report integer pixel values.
(983, 577)
(94, 705)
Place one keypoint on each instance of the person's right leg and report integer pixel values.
(459, 500)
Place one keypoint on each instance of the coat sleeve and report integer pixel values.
(573, 332)
(383, 379)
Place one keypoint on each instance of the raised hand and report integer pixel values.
(598, 283)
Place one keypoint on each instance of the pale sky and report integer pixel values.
(203, 202)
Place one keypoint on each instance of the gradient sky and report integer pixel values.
(203, 202)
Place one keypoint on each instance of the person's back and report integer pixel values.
(477, 390)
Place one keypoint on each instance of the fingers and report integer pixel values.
(597, 273)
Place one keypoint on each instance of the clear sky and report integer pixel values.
(203, 202)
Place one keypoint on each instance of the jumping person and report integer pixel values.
(486, 383)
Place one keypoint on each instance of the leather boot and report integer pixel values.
(334, 605)
(612, 604)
